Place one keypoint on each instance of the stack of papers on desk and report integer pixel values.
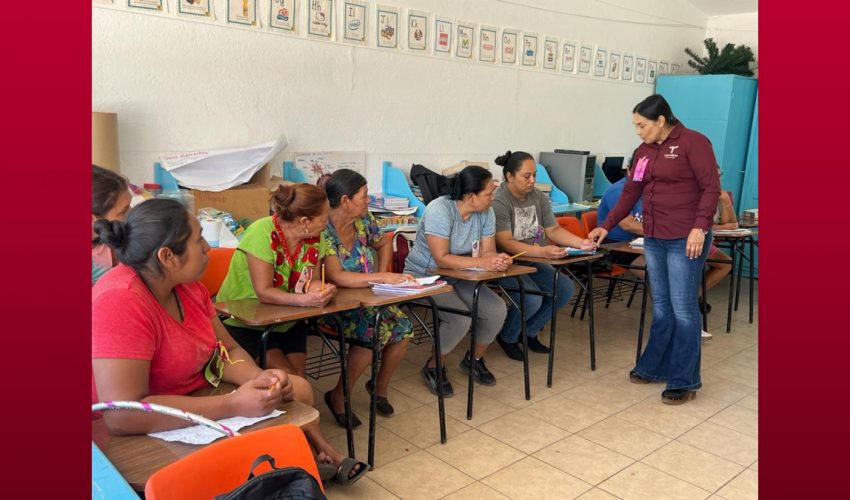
(570, 251)
(741, 231)
(409, 287)
(637, 243)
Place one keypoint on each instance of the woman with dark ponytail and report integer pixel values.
(110, 200)
(456, 232)
(525, 223)
(156, 336)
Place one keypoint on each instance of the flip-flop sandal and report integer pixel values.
(340, 417)
(340, 473)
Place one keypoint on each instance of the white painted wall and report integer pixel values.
(180, 85)
(735, 28)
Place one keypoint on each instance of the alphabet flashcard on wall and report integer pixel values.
(417, 30)
(628, 62)
(282, 15)
(640, 69)
(585, 59)
(242, 12)
(465, 36)
(550, 53)
(510, 38)
(443, 29)
(652, 68)
(320, 18)
(145, 4)
(600, 62)
(529, 49)
(354, 21)
(199, 8)
(674, 69)
(568, 58)
(487, 36)
(662, 68)
(387, 27)
(614, 65)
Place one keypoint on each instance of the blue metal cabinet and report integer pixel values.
(721, 107)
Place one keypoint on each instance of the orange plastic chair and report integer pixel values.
(217, 269)
(572, 225)
(589, 220)
(223, 465)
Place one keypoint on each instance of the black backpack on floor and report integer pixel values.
(287, 483)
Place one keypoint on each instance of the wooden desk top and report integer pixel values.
(514, 270)
(138, 457)
(255, 313)
(623, 247)
(563, 261)
(366, 297)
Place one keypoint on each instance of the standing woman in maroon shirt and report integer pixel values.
(675, 171)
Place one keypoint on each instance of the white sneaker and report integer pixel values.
(705, 335)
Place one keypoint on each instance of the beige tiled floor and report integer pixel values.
(592, 435)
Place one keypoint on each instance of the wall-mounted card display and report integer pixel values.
(145, 4)
(628, 62)
(387, 26)
(674, 69)
(529, 49)
(465, 39)
(600, 62)
(640, 69)
(283, 15)
(550, 53)
(199, 8)
(354, 21)
(663, 68)
(651, 70)
(417, 30)
(584, 61)
(510, 41)
(242, 12)
(320, 18)
(487, 36)
(614, 65)
(443, 31)
(568, 57)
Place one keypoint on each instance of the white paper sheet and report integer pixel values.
(220, 169)
(199, 434)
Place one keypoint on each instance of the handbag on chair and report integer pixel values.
(286, 483)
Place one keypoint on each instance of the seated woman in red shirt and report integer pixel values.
(157, 338)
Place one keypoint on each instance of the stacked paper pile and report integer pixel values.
(387, 202)
(637, 243)
(409, 287)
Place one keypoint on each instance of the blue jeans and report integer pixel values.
(538, 310)
(673, 350)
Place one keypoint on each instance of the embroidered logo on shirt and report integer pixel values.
(672, 154)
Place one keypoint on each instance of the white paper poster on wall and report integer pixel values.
(487, 36)
(585, 60)
(198, 8)
(465, 38)
(674, 69)
(600, 62)
(316, 164)
(354, 21)
(283, 15)
(568, 57)
(529, 49)
(320, 18)
(387, 26)
(242, 12)
(651, 70)
(663, 68)
(614, 65)
(146, 4)
(510, 39)
(443, 31)
(628, 62)
(640, 69)
(550, 53)
(417, 30)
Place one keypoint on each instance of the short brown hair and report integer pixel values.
(298, 200)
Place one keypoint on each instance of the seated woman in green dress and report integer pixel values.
(363, 254)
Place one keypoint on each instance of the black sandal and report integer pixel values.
(341, 474)
(677, 396)
(340, 417)
(385, 409)
(637, 379)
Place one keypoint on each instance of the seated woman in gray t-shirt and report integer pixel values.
(525, 223)
(457, 231)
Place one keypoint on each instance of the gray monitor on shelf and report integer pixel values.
(571, 173)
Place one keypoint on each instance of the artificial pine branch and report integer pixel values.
(731, 59)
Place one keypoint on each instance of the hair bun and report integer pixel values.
(503, 160)
(112, 232)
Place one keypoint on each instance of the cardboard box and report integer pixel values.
(249, 201)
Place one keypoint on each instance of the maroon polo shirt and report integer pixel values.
(680, 186)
